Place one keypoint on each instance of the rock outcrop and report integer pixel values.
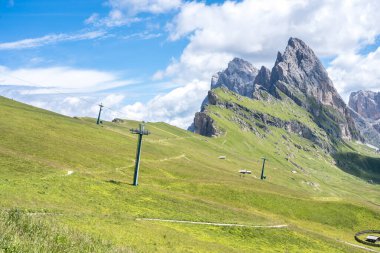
(299, 74)
(366, 104)
(366, 107)
(239, 77)
(263, 78)
(204, 125)
(300, 69)
(370, 131)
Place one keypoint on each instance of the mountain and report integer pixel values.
(300, 75)
(297, 99)
(297, 75)
(239, 77)
(366, 104)
(366, 113)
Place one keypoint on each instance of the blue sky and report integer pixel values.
(153, 59)
(121, 50)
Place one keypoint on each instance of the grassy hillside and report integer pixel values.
(72, 173)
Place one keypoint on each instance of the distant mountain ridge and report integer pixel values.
(297, 75)
(366, 107)
(366, 104)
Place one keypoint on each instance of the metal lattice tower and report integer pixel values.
(262, 170)
(100, 112)
(141, 131)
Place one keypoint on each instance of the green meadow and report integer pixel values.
(66, 186)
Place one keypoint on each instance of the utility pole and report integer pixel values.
(100, 111)
(141, 131)
(262, 170)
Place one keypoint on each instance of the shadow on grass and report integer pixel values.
(111, 181)
(364, 167)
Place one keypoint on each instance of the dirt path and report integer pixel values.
(360, 247)
(174, 158)
(165, 131)
(212, 223)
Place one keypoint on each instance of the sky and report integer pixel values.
(153, 60)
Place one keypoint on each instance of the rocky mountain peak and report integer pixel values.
(279, 58)
(297, 43)
(366, 104)
(298, 66)
(263, 77)
(240, 65)
(299, 75)
(238, 77)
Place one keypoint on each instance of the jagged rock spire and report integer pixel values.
(238, 77)
(300, 75)
(263, 77)
(298, 66)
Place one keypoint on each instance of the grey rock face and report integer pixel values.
(366, 107)
(366, 104)
(263, 78)
(204, 125)
(300, 75)
(261, 93)
(238, 77)
(370, 131)
(377, 127)
(299, 67)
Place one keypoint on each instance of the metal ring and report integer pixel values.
(367, 232)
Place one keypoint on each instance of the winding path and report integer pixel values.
(213, 224)
(360, 247)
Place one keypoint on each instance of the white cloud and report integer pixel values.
(72, 101)
(125, 11)
(92, 19)
(176, 107)
(133, 7)
(256, 30)
(251, 29)
(146, 35)
(353, 72)
(50, 39)
(71, 104)
(113, 100)
(61, 79)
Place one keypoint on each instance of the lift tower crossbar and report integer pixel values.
(141, 131)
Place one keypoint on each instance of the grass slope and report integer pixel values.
(181, 178)
(23, 233)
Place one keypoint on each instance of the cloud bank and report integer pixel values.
(61, 79)
(256, 30)
(215, 33)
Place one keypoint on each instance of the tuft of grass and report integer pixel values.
(22, 233)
